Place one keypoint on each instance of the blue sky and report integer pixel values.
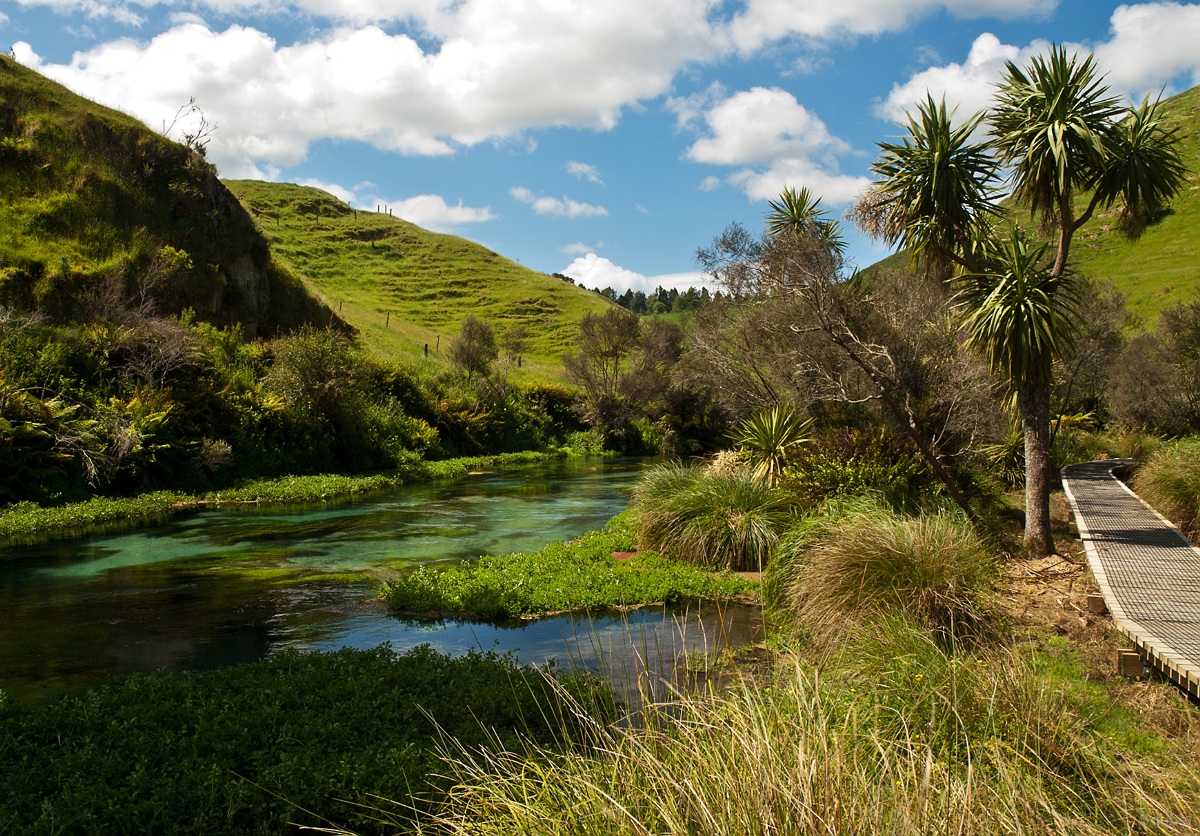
(606, 139)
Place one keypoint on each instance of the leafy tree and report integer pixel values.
(473, 350)
(1056, 130)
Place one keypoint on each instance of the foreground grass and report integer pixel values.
(295, 739)
(905, 738)
(27, 522)
(575, 575)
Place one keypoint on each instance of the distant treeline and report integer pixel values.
(662, 300)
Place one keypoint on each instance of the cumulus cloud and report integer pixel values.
(584, 171)
(776, 142)
(968, 86)
(432, 212)
(764, 21)
(480, 74)
(562, 207)
(595, 271)
(759, 125)
(710, 183)
(1150, 45)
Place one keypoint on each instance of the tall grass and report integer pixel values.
(836, 753)
(868, 562)
(719, 520)
(1169, 480)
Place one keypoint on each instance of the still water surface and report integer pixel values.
(229, 586)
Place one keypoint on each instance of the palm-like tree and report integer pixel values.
(769, 436)
(1055, 128)
(1019, 316)
(801, 212)
(936, 195)
(1055, 125)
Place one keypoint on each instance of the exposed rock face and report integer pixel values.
(245, 297)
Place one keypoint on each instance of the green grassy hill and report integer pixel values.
(1162, 267)
(90, 197)
(404, 287)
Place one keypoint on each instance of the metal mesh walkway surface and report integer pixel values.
(1148, 572)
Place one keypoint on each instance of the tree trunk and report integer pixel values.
(1034, 400)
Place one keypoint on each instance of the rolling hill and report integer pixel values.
(404, 287)
(89, 197)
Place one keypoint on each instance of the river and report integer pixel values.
(233, 585)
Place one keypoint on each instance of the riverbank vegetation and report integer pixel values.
(28, 522)
(599, 570)
(297, 739)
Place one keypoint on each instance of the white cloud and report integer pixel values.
(559, 207)
(759, 125)
(432, 212)
(765, 21)
(340, 192)
(584, 171)
(480, 76)
(580, 248)
(597, 272)
(777, 142)
(710, 183)
(1150, 45)
(968, 86)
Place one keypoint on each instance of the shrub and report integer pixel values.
(850, 462)
(720, 520)
(1169, 480)
(869, 562)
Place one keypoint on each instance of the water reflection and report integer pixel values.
(230, 586)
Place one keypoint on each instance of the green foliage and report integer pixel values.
(864, 562)
(937, 189)
(1169, 480)
(26, 522)
(769, 437)
(847, 462)
(294, 739)
(576, 575)
(718, 520)
(473, 350)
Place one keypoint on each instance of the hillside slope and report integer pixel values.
(404, 287)
(89, 199)
(1162, 267)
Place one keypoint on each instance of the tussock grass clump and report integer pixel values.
(1170, 482)
(1000, 749)
(720, 520)
(868, 561)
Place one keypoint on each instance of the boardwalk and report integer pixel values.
(1148, 572)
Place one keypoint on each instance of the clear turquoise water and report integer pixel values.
(229, 586)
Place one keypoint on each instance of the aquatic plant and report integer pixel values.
(296, 739)
(575, 575)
